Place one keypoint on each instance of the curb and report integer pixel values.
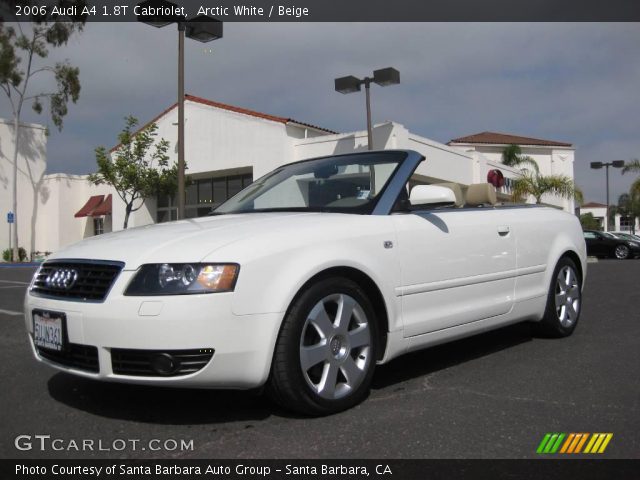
(19, 265)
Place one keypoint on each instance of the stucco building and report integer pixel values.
(227, 147)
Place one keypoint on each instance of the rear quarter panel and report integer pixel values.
(543, 236)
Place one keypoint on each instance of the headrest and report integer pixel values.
(481, 194)
(457, 191)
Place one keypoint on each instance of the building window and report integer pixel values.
(202, 196)
(98, 225)
(626, 224)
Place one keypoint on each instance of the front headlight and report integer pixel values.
(183, 278)
(634, 244)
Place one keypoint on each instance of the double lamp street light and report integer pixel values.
(599, 165)
(350, 84)
(203, 29)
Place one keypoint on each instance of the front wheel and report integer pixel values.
(326, 350)
(564, 301)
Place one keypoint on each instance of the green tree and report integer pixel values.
(532, 183)
(23, 49)
(628, 206)
(589, 222)
(138, 168)
(633, 166)
(512, 157)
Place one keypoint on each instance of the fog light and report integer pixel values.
(164, 364)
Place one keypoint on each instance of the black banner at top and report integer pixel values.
(328, 10)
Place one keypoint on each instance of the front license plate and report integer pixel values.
(49, 329)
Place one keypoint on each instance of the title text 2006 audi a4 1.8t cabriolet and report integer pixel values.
(304, 281)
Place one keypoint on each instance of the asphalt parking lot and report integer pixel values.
(491, 396)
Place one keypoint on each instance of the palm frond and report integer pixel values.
(578, 195)
(632, 166)
(532, 183)
(512, 157)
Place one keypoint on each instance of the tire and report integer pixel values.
(324, 361)
(621, 252)
(564, 301)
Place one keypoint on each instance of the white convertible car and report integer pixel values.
(304, 281)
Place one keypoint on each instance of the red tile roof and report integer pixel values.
(593, 205)
(507, 139)
(231, 108)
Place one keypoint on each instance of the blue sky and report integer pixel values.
(578, 83)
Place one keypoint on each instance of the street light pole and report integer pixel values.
(607, 176)
(606, 165)
(350, 84)
(201, 28)
(367, 83)
(181, 195)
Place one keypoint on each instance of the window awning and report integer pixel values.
(103, 209)
(91, 204)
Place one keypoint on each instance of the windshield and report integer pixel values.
(345, 183)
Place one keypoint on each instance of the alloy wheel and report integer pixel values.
(567, 296)
(335, 346)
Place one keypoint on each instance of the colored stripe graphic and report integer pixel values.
(567, 443)
(543, 443)
(573, 443)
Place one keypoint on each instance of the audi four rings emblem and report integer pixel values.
(62, 278)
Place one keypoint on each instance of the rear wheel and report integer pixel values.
(326, 350)
(622, 252)
(564, 301)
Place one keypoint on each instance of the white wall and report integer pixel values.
(31, 167)
(443, 163)
(218, 139)
(62, 195)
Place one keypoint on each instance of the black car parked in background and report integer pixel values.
(603, 244)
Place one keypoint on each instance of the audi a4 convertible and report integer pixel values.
(304, 281)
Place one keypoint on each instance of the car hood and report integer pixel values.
(183, 241)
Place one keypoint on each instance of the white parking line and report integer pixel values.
(14, 281)
(10, 312)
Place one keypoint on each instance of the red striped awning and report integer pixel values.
(103, 209)
(90, 206)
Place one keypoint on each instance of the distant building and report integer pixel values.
(599, 212)
(552, 157)
(621, 223)
(228, 147)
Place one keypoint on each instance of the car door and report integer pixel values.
(457, 266)
(594, 243)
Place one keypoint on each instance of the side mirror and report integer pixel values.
(432, 196)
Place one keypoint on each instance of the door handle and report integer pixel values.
(503, 230)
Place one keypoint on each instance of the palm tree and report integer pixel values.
(512, 157)
(632, 166)
(634, 191)
(578, 195)
(532, 183)
(628, 206)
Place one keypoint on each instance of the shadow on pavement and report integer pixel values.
(174, 406)
(159, 405)
(430, 360)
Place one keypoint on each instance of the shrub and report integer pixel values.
(22, 254)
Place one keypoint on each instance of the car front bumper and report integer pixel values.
(242, 344)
